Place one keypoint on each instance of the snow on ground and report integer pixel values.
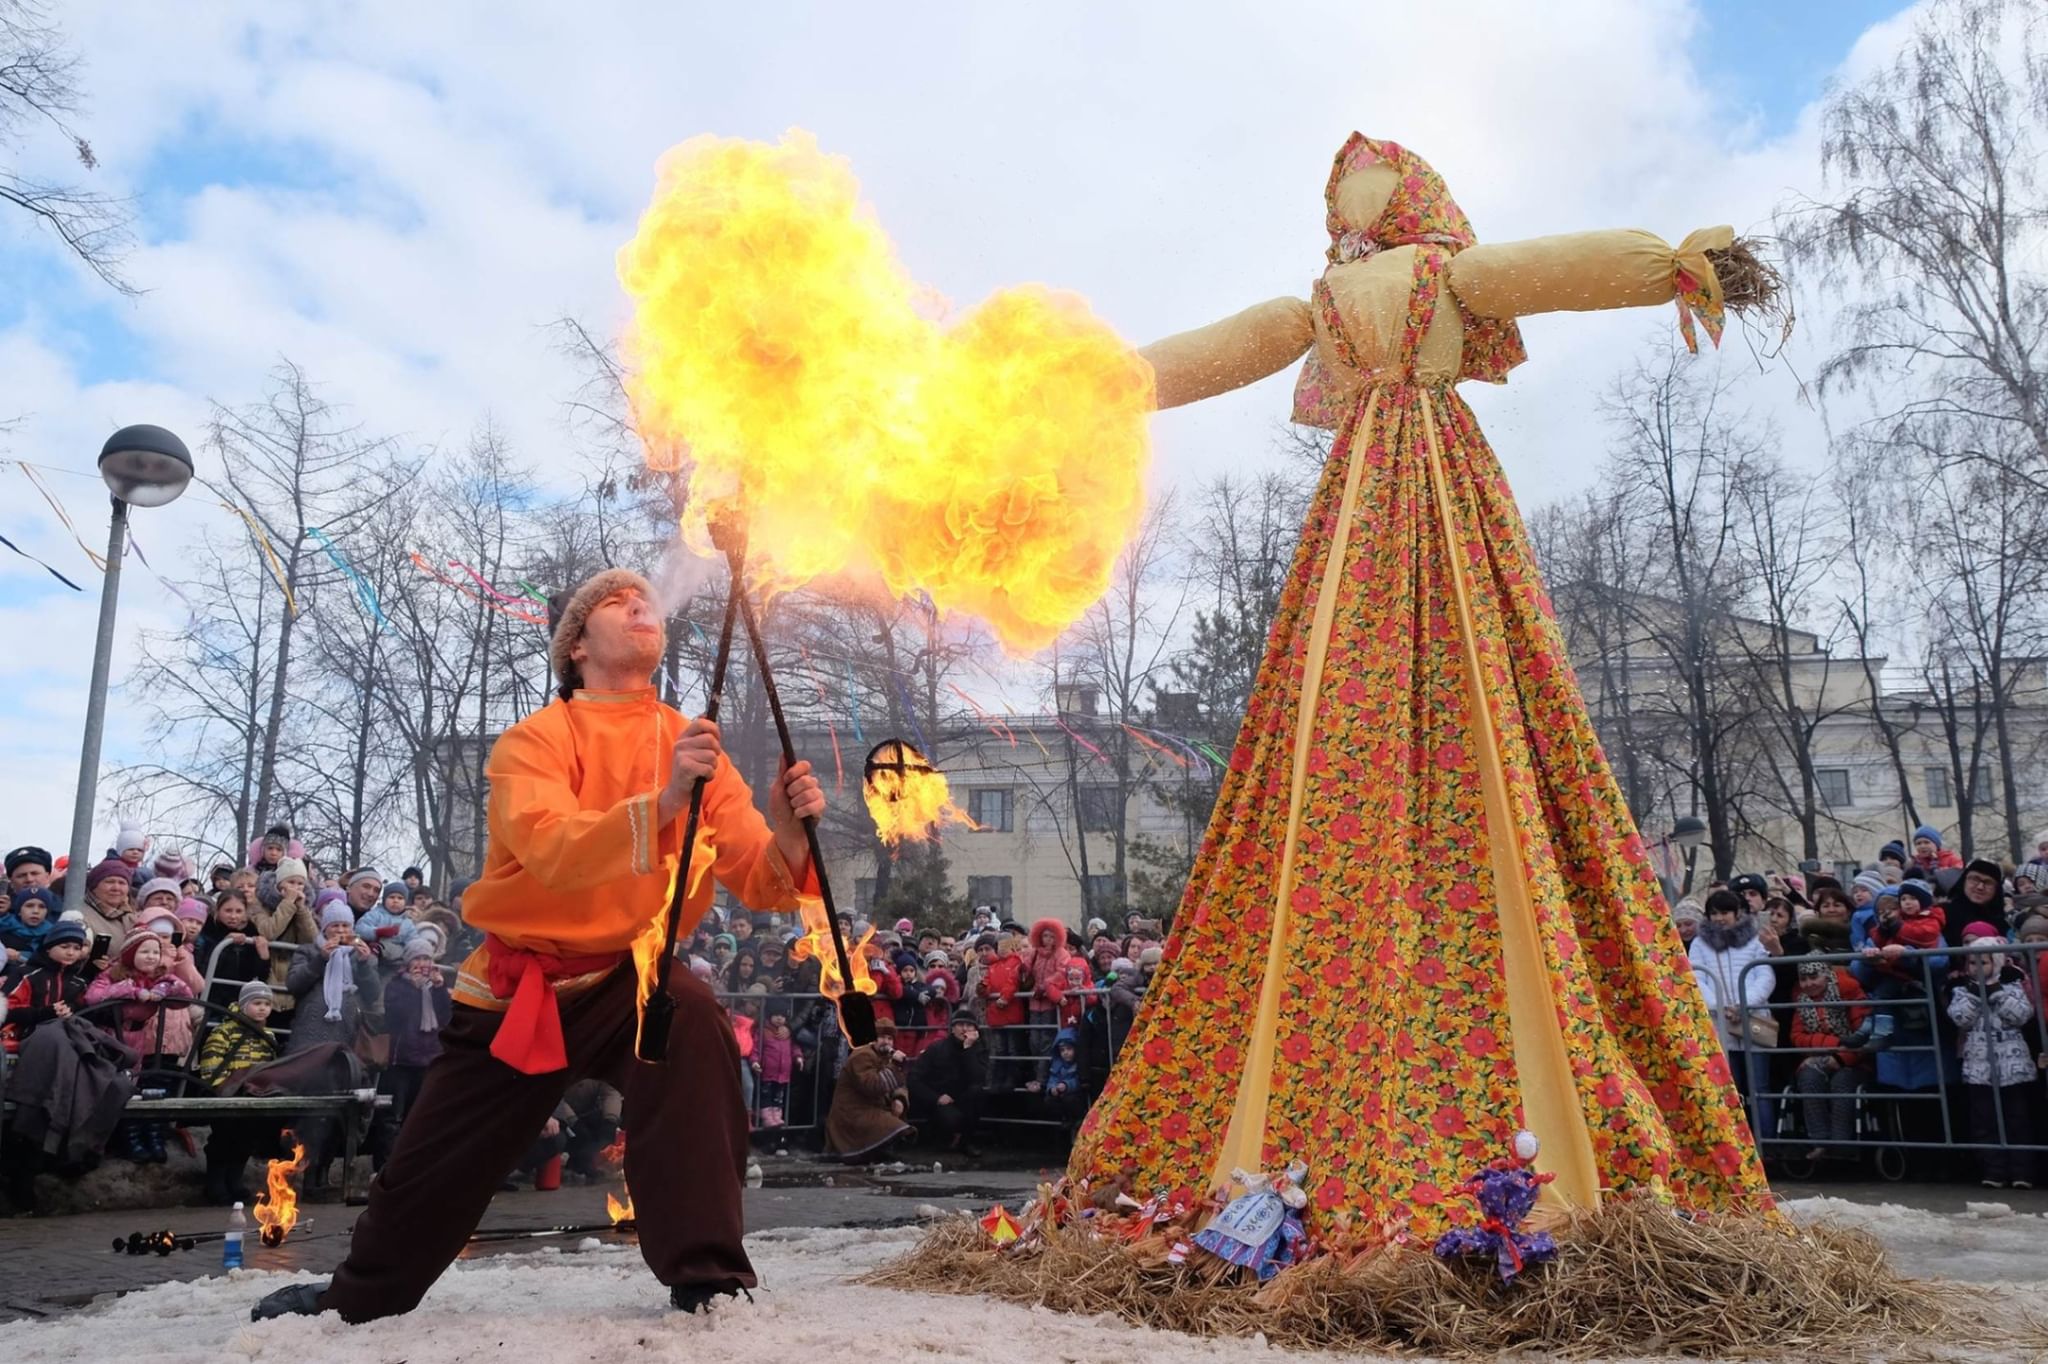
(601, 1304)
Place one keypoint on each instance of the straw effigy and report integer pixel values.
(1631, 1279)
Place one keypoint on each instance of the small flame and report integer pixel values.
(615, 1153)
(277, 1207)
(906, 796)
(817, 942)
(620, 1212)
(782, 353)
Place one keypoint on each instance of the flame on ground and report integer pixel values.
(620, 1212)
(817, 942)
(277, 1207)
(615, 1154)
(906, 796)
(778, 348)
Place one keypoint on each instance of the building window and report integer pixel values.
(1101, 811)
(863, 895)
(1834, 786)
(990, 807)
(990, 890)
(1105, 895)
(1940, 795)
(1980, 787)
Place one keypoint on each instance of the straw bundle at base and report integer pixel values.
(1631, 1279)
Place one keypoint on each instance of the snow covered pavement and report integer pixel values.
(600, 1304)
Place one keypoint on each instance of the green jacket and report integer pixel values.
(236, 1044)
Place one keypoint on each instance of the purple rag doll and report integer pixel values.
(1506, 1190)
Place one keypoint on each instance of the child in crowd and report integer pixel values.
(241, 1040)
(30, 914)
(52, 986)
(1005, 1008)
(188, 928)
(746, 1027)
(1991, 1007)
(1063, 1080)
(283, 914)
(244, 957)
(775, 1063)
(141, 975)
(386, 927)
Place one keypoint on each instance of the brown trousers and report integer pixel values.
(686, 1153)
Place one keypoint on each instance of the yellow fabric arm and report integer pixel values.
(1263, 339)
(1583, 272)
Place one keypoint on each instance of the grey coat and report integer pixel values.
(1994, 1049)
(309, 1022)
(69, 1086)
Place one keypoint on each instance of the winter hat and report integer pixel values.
(571, 616)
(337, 914)
(417, 950)
(412, 871)
(42, 893)
(1095, 926)
(361, 874)
(333, 895)
(135, 939)
(2037, 872)
(398, 888)
(106, 870)
(26, 854)
(2034, 924)
(963, 1016)
(254, 989)
(129, 837)
(905, 927)
(195, 910)
(288, 867)
(1687, 911)
(1979, 929)
(1123, 966)
(174, 864)
(1927, 831)
(1919, 890)
(65, 930)
(1870, 881)
(159, 885)
(1894, 850)
(431, 935)
(937, 959)
(1822, 935)
(1151, 957)
(1750, 881)
(727, 941)
(1984, 866)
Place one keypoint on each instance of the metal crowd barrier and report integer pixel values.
(1018, 1056)
(1880, 1125)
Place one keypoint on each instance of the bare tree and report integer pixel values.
(39, 88)
(1934, 235)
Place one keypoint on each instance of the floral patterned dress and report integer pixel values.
(1421, 917)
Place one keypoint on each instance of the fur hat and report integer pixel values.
(158, 885)
(254, 989)
(569, 613)
(22, 856)
(1750, 881)
(1151, 957)
(288, 867)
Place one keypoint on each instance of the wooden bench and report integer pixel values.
(201, 1107)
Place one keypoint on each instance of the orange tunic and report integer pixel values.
(578, 867)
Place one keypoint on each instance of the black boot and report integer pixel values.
(153, 1143)
(134, 1147)
(694, 1298)
(293, 1300)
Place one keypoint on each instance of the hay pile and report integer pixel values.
(1631, 1279)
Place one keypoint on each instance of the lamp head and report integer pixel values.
(145, 466)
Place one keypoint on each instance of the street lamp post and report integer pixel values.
(143, 466)
(1688, 832)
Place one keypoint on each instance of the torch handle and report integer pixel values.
(789, 760)
(658, 1012)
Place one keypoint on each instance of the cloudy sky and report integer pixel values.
(399, 196)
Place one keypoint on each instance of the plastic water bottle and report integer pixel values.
(231, 1248)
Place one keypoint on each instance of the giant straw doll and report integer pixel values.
(1422, 918)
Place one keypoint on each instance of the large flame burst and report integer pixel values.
(780, 349)
(817, 942)
(906, 796)
(277, 1207)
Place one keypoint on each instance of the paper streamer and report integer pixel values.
(269, 556)
(45, 567)
(190, 610)
(1155, 746)
(1061, 722)
(529, 590)
(997, 728)
(517, 613)
(910, 711)
(99, 560)
(853, 700)
(365, 593)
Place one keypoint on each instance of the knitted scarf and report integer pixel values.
(339, 981)
(1826, 1015)
(428, 1021)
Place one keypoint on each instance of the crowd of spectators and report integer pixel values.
(1901, 1009)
